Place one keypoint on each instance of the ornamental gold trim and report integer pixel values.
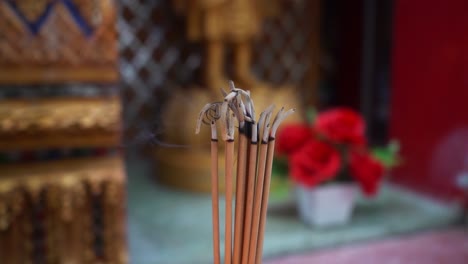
(60, 122)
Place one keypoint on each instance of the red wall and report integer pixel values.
(429, 107)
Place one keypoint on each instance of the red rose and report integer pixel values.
(292, 137)
(314, 163)
(367, 171)
(342, 125)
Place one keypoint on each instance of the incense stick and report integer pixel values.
(251, 155)
(266, 187)
(240, 111)
(214, 173)
(240, 195)
(214, 192)
(250, 189)
(266, 192)
(259, 189)
(229, 153)
(228, 136)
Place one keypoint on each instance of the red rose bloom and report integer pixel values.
(367, 171)
(290, 138)
(341, 125)
(314, 163)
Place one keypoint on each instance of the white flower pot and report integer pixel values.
(326, 205)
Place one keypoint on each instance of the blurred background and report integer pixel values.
(99, 162)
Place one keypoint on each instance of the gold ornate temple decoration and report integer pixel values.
(66, 210)
(13, 230)
(223, 23)
(49, 211)
(60, 122)
(57, 41)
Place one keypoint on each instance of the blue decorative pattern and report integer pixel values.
(75, 12)
(35, 26)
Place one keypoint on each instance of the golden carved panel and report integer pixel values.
(60, 122)
(58, 41)
(61, 198)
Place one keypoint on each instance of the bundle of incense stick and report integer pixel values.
(256, 142)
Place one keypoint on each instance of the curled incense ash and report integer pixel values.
(226, 117)
(250, 108)
(209, 113)
(238, 108)
(223, 92)
(266, 129)
(262, 119)
(278, 119)
(200, 117)
(230, 96)
(214, 133)
(259, 125)
(230, 127)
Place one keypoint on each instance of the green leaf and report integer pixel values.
(280, 189)
(311, 115)
(388, 155)
(280, 168)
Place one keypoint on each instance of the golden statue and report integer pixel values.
(219, 24)
(222, 22)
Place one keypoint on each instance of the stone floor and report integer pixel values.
(168, 226)
(448, 246)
